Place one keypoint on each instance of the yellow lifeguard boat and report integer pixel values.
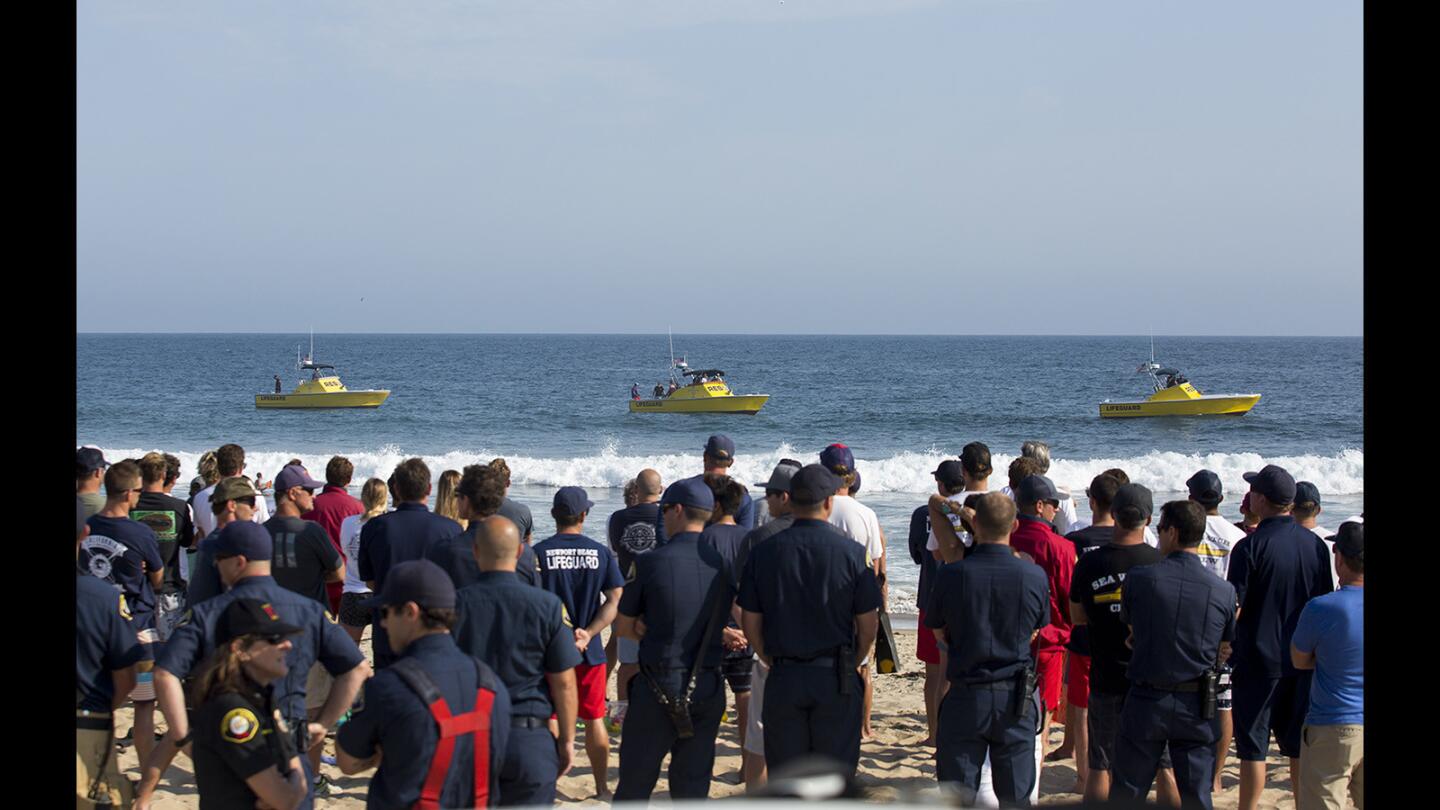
(698, 391)
(322, 390)
(1175, 396)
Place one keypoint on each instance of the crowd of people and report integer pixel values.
(1154, 636)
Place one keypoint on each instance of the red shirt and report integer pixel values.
(332, 506)
(1056, 556)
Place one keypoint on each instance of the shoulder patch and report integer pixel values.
(565, 615)
(184, 618)
(124, 608)
(332, 617)
(239, 725)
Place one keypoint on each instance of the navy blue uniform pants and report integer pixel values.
(650, 735)
(532, 765)
(805, 713)
(976, 720)
(1152, 718)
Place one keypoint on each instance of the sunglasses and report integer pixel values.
(274, 639)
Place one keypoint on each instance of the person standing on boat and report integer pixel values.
(635, 391)
(659, 390)
(277, 383)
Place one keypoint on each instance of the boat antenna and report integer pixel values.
(671, 332)
(312, 344)
(1152, 344)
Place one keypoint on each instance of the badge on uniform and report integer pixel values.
(332, 617)
(565, 615)
(239, 725)
(125, 609)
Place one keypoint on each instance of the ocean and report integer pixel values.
(556, 407)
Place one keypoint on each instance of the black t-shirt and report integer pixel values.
(303, 556)
(1090, 538)
(632, 532)
(123, 553)
(1099, 576)
(169, 518)
(236, 737)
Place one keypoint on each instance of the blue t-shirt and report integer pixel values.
(122, 551)
(1333, 628)
(578, 570)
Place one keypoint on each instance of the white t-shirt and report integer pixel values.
(859, 521)
(1220, 538)
(205, 519)
(350, 544)
(932, 543)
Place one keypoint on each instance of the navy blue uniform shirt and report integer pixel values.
(669, 590)
(579, 570)
(919, 536)
(810, 582)
(104, 642)
(520, 632)
(1275, 571)
(390, 539)
(323, 640)
(120, 551)
(989, 604)
(457, 556)
(632, 532)
(392, 716)
(1179, 612)
(744, 514)
(204, 576)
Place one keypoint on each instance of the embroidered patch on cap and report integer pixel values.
(270, 611)
(239, 725)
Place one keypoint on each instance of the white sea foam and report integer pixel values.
(1340, 474)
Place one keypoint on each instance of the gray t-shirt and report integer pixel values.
(519, 514)
(94, 502)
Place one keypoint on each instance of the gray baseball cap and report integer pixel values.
(780, 478)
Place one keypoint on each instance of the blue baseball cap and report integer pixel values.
(689, 492)
(573, 500)
(1205, 488)
(813, 484)
(1306, 492)
(719, 446)
(1274, 482)
(89, 459)
(419, 581)
(1036, 488)
(295, 476)
(244, 538)
(838, 455)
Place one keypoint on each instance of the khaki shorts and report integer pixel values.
(97, 771)
(317, 687)
(1332, 765)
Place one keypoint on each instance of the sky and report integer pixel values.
(749, 166)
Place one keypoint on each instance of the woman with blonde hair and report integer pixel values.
(446, 503)
(353, 617)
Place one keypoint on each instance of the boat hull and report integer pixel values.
(749, 404)
(1218, 405)
(331, 399)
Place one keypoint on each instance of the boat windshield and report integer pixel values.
(1163, 377)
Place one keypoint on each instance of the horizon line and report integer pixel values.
(732, 334)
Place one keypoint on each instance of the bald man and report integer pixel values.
(522, 633)
(632, 532)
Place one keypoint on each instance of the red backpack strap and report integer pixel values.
(484, 714)
(476, 723)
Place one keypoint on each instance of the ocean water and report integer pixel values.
(556, 407)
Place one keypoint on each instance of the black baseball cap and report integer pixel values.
(419, 581)
(1205, 488)
(1036, 488)
(244, 538)
(948, 473)
(719, 446)
(1134, 497)
(1350, 540)
(813, 484)
(89, 459)
(1274, 482)
(572, 500)
(244, 617)
(1306, 492)
(975, 457)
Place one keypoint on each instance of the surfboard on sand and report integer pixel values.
(887, 659)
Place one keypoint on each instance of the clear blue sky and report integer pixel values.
(814, 166)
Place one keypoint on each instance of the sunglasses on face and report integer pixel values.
(273, 640)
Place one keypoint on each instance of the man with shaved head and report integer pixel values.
(632, 532)
(522, 633)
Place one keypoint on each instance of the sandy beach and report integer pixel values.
(892, 764)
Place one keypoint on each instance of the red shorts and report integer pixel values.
(1077, 681)
(590, 681)
(1050, 673)
(925, 647)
